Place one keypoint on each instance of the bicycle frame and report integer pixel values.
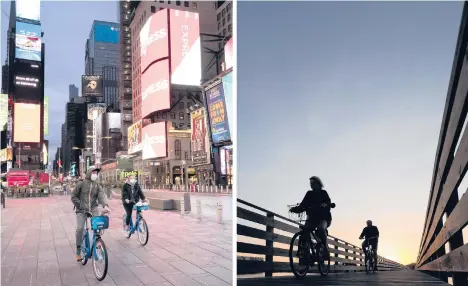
(138, 217)
(91, 249)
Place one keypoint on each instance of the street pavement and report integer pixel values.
(38, 247)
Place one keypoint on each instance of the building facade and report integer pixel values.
(72, 92)
(224, 18)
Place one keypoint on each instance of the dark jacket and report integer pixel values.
(137, 193)
(370, 232)
(86, 195)
(311, 204)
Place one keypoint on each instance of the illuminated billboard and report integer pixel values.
(185, 48)
(45, 152)
(229, 101)
(28, 41)
(154, 43)
(218, 115)
(134, 138)
(201, 151)
(154, 141)
(28, 9)
(106, 32)
(96, 109)
(228, 55)
(46, 115)
(91, 85)
(155, 88)
(27, 123)
(3, 110)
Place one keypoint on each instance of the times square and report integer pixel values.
(152, 100)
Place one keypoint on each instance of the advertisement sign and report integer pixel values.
(27, 123)
(134, 138)
(200, 142)
(218, 114)
(45, 152)
(28, 41)
(9, 154)
(3, 110)
(91, 85)
(106, 32)
(96, 109)
(154, 141)
(46, 115)
(185, 48)
(228, 55)
(3, 155)
(127, 173)
(28, 9)
(154, 42)
(222, 157)
(228, 100)
(225, 154)
(155, 88)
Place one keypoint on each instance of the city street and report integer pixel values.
(38, 246)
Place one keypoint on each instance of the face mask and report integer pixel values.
(132, 181)
(94, 177)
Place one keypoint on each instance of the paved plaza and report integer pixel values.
(38, 247)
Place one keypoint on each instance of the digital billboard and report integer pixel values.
(154, 141)
(228, 55)
(95, 109)
(3, 110)
(91, 85)
(106, 32)
(28, 9)
(154, 42)
(218, 115)
(185, 48)
(45, 152)
(28, 41)
(201, 151)
(134, 138)
(155, 88)
(229, 101)
(27, 123)
(46, 115)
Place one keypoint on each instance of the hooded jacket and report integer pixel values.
(137, 192)
(87, 193)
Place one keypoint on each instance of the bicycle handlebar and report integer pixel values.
(367, 238)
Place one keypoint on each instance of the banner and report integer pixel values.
(96, 109)
(134, 138)
(124, 174)
(3, 110)
(46, 115)
(201, 151)
(91, 85)
(218, 114)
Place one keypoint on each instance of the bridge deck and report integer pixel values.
(387, 278)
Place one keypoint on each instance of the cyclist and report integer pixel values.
(131, 194)
(85, 198)
(317, 204)
(371, 233)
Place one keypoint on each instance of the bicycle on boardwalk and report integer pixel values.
(140, 224)
(306, 248)
(370, 262)
(96, 248)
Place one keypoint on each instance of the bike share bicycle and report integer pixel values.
(306, 247)
(140, 224)
(370, 262)
(97, 249)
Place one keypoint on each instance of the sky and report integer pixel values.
(353, 93)
(65, 35)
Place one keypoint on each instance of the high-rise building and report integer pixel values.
(225, 23)
(5, 79)
(72, 92)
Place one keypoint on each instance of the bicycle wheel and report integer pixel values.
(84, 249)
(374, 263)
(143, 232)
(299, 255)
(369, 262)
(323, 260)
(100, 260)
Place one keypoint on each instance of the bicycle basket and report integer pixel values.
(297, 217)
(141, 208)
(99, 222)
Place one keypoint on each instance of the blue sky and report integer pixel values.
(354, 93)
(66, 27)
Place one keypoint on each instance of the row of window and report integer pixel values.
(225, 11)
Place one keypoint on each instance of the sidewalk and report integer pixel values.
(38, 246)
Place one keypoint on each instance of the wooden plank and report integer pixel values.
(343, 246)
(261, 234)
(455, 261)
(250, 267)
(261, 219)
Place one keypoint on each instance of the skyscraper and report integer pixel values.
(72, 92)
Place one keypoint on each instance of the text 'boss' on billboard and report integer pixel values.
(185, 48)
(91, 85)
(154, 141)
(27, 123)
(155, 88)
(28, 41)
(154, 43)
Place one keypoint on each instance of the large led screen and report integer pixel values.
(91, 85)
(154, 43)
(155, 88)
(134, 138)
(3, 110)
(28, 9)
(201, 148)
(228, 100)
(154, 141)
(185, 48)
(28, 41)
(106, 32)
(27, 123)
(218, 114)
(46, 115)
(96, 109)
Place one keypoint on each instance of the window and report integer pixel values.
(153, 9)
(164, 115)
(181, 115)
(224, 32)
(168, 2)
(186, 155)
(181, 105)
(177, 148)
(172, 115)
(229, 17)
(186, 3)
(219, 17)
(161, 1)
(230, 28)
(219, 26)
(177, 3)
(158, 115)
(224, 22)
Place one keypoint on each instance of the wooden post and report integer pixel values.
(269, 247)
(336, 252)
(346, 250)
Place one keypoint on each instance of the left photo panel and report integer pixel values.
(117, 154)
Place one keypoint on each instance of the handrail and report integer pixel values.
(271, 256)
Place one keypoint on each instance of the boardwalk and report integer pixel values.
(38, 237)
(386, 278)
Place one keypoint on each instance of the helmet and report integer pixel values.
(316, 180)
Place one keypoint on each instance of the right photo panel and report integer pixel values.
(352, 147)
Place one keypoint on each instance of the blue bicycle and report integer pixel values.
(140, 223)
(97, 249)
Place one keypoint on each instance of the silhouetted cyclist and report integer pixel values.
(317, 205)
(371, 233)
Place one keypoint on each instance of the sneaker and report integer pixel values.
(78, 255)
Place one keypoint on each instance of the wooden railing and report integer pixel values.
(266, 249)
(447, 214)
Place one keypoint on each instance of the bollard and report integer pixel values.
(211, 188)
(219, 212)
(198, 188)
(199, 209)
(182, 206)
(216, 189)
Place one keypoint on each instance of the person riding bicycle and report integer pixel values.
(85, 198)
(317, 205)
(371, 233)
(131, 194)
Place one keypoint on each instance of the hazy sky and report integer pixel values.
(354, 93)
(66, 27)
